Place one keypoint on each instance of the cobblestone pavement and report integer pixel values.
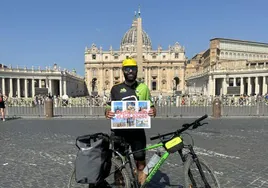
(40, 153)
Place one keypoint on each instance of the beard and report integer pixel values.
(130, 77)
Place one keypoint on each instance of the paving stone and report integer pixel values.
(41, 152)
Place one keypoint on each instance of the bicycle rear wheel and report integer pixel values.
(118, 178)
(193, 178)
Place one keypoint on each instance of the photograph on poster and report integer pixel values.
(131, 114)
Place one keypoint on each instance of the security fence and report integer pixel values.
(187, 106)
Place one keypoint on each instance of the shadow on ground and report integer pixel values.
(11, 118)
(161, 180)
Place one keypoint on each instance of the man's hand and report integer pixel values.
(152, 112)
(109, 114)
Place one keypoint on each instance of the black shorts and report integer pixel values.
(2, 105)
(136, 138)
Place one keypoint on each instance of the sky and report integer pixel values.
(41, 33)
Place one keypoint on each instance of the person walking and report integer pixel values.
(2, 106)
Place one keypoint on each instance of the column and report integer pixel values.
(40, 83)
(88, 80)
(234, 81)
(33, 88)
(249, 86)
(210, 85)
(257, 87)
(213, 86)
(47, 84)
(121, 76)
(149, 78)
(60, 88)
(158, 79)
(241, 86)
(64, 87)
(101, 86)
(18, 87)
(146, 74)
(25, 88)
(3, 86)
(224, 86)
(50, 87)
(11, 88)
(169, 79)
(264, 86)
(112, 79)
(182, 78)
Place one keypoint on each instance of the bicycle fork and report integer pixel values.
(135, 176)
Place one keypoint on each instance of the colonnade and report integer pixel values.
(26, 87)
(248, 84)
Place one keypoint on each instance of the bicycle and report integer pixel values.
(172, 142)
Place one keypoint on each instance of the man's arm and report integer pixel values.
(108, 114)
(152, 111)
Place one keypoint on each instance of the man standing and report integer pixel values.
(130, 89)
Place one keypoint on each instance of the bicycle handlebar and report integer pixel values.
(196, 124)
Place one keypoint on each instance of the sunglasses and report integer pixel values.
(127, 69)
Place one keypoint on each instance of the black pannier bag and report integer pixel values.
(93, 160)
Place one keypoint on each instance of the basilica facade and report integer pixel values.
(163, 69)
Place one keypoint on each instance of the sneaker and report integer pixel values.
(4, 119)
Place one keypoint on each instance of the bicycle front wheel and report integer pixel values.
(193, 177)
(117, 178)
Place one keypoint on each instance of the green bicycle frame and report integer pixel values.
(157, 166)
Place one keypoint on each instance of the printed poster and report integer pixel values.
(131, 115)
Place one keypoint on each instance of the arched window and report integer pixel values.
(154, 85)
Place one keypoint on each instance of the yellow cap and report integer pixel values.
(129, 62)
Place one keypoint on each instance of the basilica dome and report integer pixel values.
(129, 41)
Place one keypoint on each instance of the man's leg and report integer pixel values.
(138, 142)
(118, 178)
(141, 175)
(2, 113)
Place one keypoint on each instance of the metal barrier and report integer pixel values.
(86, 111)
(183, 111)
(258, 109)
(29, 111)
(82, 107)
(181, 107)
